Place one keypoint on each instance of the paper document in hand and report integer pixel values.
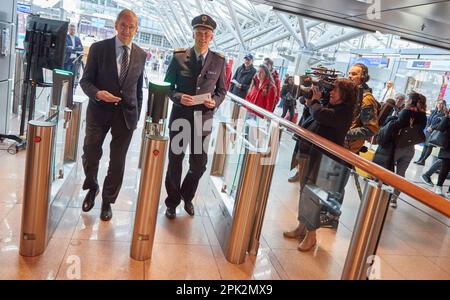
(234, 81)
(200, 99)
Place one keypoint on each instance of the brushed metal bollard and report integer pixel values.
(148, 199)
(37, 188)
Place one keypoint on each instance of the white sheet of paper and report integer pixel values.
(200, 99)
(234, 81)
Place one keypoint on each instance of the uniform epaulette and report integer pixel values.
(220, 54)
(179, 50)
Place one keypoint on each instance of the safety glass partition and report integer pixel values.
(347, 200)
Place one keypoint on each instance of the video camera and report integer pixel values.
(324, 79)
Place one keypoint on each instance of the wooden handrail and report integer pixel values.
(425, 196)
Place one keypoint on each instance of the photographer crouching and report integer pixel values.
(331, 119)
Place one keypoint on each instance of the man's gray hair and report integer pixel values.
(125, 12)
(400, 95)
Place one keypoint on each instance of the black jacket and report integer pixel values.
(444, 126)
(101, 74)
(243, 76)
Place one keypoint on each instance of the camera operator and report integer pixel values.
(364, 126)
(331, 121)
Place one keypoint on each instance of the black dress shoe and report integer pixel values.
(189, 208)
(171, 213)
(106, 213)
(89, 200)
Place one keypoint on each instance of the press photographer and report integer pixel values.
(330, 120)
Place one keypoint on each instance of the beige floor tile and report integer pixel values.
(68, 223)
(315, 264)
(278, 211)
(442, 262)
(212, 237)
(415, 267)
(5, 208)
(272, 232)
(90, 227)
(10, 225)
(391, 243)
(332, 240)
(100, 260)
(11, 190)
(183, 230)
(259, 267)
(45, 266)
(181, 262)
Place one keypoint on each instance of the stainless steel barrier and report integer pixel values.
(368, 228)
(73, 131)
(239, 230)
(37, 188)
(153, 154)
(155, 148)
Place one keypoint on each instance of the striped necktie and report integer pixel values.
(124, 65)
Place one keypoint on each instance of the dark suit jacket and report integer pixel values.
(101, 74)
(78, 48)
(184, 80)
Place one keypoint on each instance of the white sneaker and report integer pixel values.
(438, 190)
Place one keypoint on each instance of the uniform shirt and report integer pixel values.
(119, 54)
(197, 55)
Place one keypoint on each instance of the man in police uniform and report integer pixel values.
(193, 71)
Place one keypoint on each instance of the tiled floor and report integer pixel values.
(414, 245)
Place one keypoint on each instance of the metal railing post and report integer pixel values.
(37, 188)
(155, 147)
(367, 231)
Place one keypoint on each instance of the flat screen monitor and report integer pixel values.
(45, 40)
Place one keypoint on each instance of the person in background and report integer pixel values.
(433, 121)
(388, 92)
(228, 71)
(242, 78)
(262, 93)
(444, 156)
(395, 156)
(331, 122)
(73, 46)
(285, 82)
(399, 103)
(288, 96)
(276, 79)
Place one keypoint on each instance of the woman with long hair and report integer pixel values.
(331, 122)
(262, 93)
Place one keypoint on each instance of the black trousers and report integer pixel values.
(92, 152)
(198, 159)
(291, 110)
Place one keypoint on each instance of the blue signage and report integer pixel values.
(24, 8)
(379, 62)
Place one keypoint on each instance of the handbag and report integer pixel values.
(438, 139)
(410, 135)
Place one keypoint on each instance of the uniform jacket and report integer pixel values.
(101, 74)
(365, 123)
(185, 78)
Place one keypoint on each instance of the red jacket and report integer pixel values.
(262, 95)
(228, 71)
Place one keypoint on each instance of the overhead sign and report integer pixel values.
(24, 8)
(428, 65)
(378, 62)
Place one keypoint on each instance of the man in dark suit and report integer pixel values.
(113, 80)
(73, 46)
(193, 71)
